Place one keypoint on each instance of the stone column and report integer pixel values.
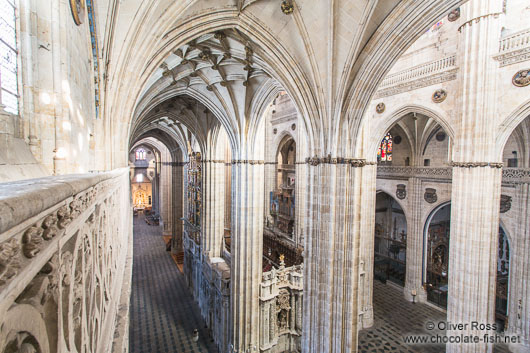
(519, 300)
(178, 196)
(246, 251)
(413, 276)
(476, 182)
(213, 186)
(331, 269)
(366, 269)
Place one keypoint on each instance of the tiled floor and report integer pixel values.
(396, 318)
(163, 313)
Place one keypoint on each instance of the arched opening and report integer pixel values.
(390, 245)
(144, 177)
(436, 255)
(282, 205)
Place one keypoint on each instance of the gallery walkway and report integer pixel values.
(163, 313)
(394, 318)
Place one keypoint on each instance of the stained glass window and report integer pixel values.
(140, 154)
(8, 56)
(384, 153)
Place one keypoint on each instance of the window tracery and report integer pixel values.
(140, 154)
(8, 56)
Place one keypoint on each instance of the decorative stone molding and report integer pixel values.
(380, 108)
(439, 96)
(475, 164)
(213, 161)
(418, 172)
(477, 20)
(506, 203)
(430, 195)
(428, 74)
(401, 191)
(354, 162)
(521, 78)
(247, 161)
(516, 175)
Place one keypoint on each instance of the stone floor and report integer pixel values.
(163, 313)
(396, 318)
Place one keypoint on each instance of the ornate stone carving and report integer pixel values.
(521, 78)
(293, 127)
(380, 108)
(439, 96)
(430, 195)
(506, 203)
(275, 131)
(454, 15)
(31, 241)
(9, 263)
(476, 164)
(50, 227)
(401, 191)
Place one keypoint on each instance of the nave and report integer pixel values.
(163, 313)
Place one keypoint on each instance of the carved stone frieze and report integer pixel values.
(9, 263)
(476, 164)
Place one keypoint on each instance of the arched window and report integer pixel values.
(140, 154)
(384, 153)
(8, 56)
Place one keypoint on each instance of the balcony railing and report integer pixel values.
(64, 250)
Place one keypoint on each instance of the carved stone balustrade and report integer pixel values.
(281, 309)
(387, 172)
(65, 263)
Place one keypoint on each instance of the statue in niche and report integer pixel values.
(521, 78)
(283, 306)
